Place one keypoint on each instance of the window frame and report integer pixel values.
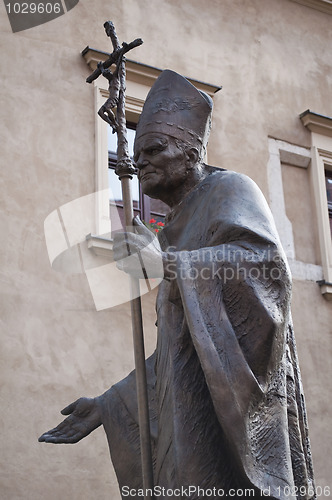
(285, 153)
(139, 79)
(328, 175)
(320, 127)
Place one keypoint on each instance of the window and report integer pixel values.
(139, 79)
(146, 208)
(328, 180)
(320, 127)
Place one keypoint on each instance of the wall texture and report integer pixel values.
(274, 60)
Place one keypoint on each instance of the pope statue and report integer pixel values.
(225, 396)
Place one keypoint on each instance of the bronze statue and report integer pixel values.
(226, 403)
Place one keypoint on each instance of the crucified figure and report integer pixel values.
(105, 112)
(114, 87)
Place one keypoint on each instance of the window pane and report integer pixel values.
(131, 138)
(158, 209)
(114, 186)
(115, 192)
(117, 218)
(112, 140)
(329, 186)
(114, 183)
(328, 180)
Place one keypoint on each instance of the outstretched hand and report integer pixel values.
(84, 417)
(139, 253)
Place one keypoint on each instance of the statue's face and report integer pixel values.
(162, 166)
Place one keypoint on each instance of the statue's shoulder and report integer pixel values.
(227, 179)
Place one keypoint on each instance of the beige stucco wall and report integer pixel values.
(274, 60)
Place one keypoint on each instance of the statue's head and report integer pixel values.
(171, 138)
(174, 107)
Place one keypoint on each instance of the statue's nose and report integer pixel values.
(141, 162)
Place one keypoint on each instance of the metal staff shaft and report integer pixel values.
(124, 170)
(139, 353)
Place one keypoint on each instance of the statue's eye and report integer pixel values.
(154, 150)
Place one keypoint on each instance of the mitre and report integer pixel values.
(176, 108)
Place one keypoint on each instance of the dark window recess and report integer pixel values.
(146, 208)
(328, 180)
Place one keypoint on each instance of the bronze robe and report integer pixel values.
(226, 402)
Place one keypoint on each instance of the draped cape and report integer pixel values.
(225, 395)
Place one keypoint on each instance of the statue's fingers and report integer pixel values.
(141, 228)
(51, 432)
(139, 224)
(41, 438)
(46, 437)
(70, 439)
(118, 238)
(119, 265)
(120, 247)
(62, 429)
(123, 251)
(70, 408)
(59, 436)
(53, 439)
(127, 238)
(60, 439)
(71, 436)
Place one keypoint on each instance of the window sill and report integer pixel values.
(103, 247)
(326, 289)
(317, 123)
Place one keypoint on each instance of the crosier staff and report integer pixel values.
(125, 170)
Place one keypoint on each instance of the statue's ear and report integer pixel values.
(192, 155)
